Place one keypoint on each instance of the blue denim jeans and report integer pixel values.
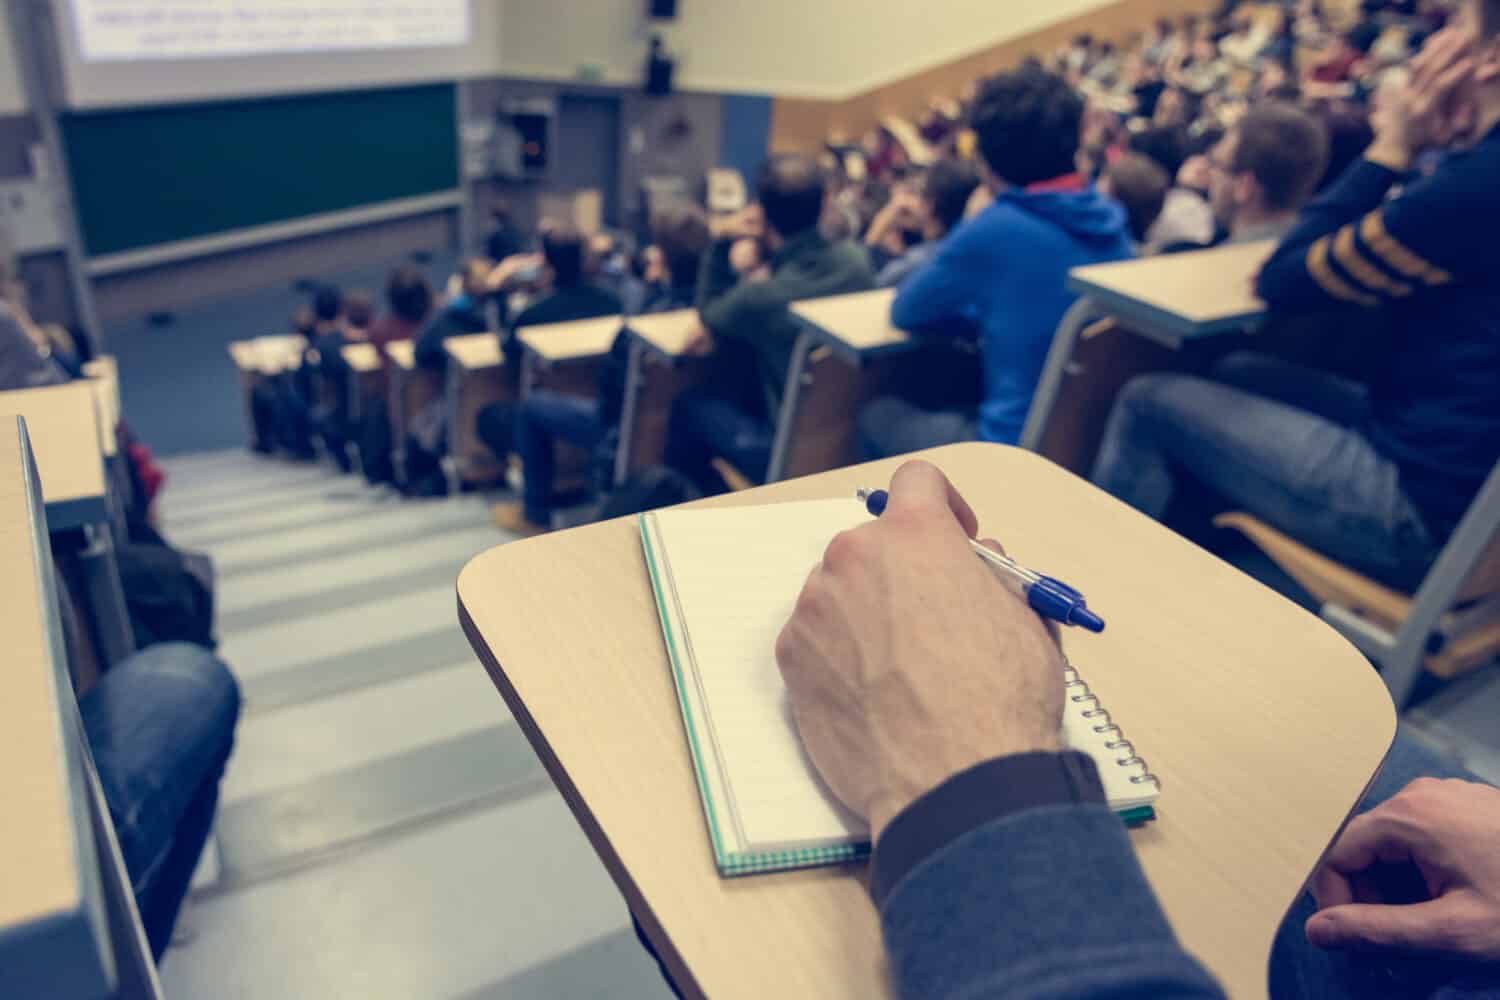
(1300, 971)
(541, 418)
(1276, 440)
(891, 426)
(160, 726)
(704, 427)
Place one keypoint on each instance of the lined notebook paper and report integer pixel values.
(726, 581)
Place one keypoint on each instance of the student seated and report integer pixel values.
(1376, 478)
(1140, 186)
(1263, 171)
(427, 435)
(26, 360)
(160, 726)
(408, 307)
(461, 314)
(1186, 218)
(749, 321)
(408, 297)
(1000, 276)
(330, 403)
(544, 417)
(569, 296)
(999, 870)
(928, 211)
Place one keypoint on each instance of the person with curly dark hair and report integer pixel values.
(1000, 276)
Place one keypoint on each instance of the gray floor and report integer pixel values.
(384, 828)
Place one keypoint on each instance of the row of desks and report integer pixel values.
(847, 353)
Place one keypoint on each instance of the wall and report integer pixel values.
(12, 94)
(678, 135)
(45, 275)
(828, 49)
(805, 124)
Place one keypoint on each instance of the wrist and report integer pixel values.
(1389, 153)
(916, 775)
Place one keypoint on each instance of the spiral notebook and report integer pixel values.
(726, 581)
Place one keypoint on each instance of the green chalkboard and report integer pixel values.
(149, 176)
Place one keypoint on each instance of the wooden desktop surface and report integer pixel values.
(571, 341)
(1184, 294)
(403, 353)
(1264, 725)
(64, 434)
(104, 375)
(475, 351)
(667, 333)
(361, 358)
(37, 843)
(860, 321)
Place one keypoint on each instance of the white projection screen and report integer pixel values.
(186, 29)
(128, 52)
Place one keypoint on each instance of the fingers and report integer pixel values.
(992, 545)
(1375, 836)
(1439, 53)
(1416, 927)
(918, 487)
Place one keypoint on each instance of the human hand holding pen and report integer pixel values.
(906, 660)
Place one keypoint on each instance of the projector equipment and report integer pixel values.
(661, 10)
(658, 69)
(523, 139)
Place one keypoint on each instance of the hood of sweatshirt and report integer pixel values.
(1084, 212)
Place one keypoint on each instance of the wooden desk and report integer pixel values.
(59, 863)
(1173, 297)
(659, 370)
(840, 362)
(64, 432)
(1159, 303)
(106, 405)
(477, 376)
(410, 388)
(1263, 723)
(576, 340)
(366, 375)
(64, 428)
(567, 358)
(857, 327)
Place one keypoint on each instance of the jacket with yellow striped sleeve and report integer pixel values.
(1430, 259)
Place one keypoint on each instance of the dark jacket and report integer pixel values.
(1002, 277)
(1426, 261)
(1015, 879)
(753, 315)
(462, 315)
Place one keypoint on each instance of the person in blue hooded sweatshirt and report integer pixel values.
(1001, 276)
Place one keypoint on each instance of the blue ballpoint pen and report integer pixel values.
(1047, 597)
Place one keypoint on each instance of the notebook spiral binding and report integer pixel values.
(1076, 689)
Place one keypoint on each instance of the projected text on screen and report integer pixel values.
(184, 29)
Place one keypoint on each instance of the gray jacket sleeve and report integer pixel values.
(1045, 900)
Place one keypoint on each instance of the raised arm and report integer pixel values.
(1352, 247)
